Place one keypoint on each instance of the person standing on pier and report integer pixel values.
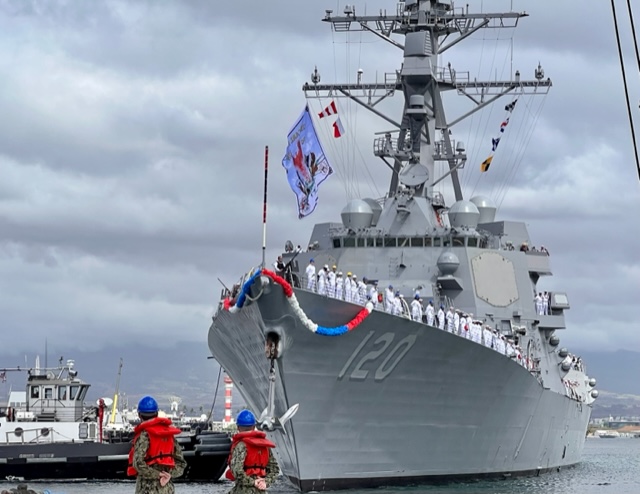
(155, 457)
(252, 465)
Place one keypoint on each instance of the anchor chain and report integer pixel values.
(268, 420)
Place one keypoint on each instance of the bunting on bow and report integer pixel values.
(484, 166)
(306, 164)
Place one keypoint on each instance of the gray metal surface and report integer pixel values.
(396, 400)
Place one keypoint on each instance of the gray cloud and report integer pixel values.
(131, 156)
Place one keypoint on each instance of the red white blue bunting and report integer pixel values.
(295, 306)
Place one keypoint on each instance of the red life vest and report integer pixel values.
(255, 463)
(160, 450)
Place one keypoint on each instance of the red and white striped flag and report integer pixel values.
(331, 109)
(338, 129)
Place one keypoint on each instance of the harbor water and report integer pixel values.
(608, 466)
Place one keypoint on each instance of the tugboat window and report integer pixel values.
(74, 392)
(48, 393)
(35, 392)
(62, 392)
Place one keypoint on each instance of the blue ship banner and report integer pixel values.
(306, 164)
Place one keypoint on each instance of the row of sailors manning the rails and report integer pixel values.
(332, 284)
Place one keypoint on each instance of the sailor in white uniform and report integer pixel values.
(450, 317)
(339, 286)
(322, 280)
(545, 303)
(538, 302)
(331, 282)
(416, 308)
(431, 313)
(487, 337)
(355, 292)
(347, 287)
(362, 291)
(456, 322)
(389, 302)
(441, 317)
(310, 273)
(373, 293)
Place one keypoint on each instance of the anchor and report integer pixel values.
(268, 421)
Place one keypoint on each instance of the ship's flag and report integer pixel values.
(484, 166)
(305, 162)
(338, 129)
(330, 109)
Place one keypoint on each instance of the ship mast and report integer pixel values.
(429, 27)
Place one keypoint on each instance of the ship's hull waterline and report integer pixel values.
(394, 401)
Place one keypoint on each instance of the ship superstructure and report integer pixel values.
(398, 400)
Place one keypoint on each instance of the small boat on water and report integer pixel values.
(48, 432)
(608, 434)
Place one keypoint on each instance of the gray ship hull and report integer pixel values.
(393, 401)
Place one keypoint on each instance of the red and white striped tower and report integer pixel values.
(228, 386)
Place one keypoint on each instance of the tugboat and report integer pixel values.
(386, 394)
(47, 432)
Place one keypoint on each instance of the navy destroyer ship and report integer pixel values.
(387, 394)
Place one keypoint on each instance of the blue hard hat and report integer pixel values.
(311, 260)
(417, 296)
(147, 404)
(246, 418)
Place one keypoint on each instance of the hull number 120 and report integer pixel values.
(384, 353)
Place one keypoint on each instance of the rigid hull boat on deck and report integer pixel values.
(46, 432)
(384, 399)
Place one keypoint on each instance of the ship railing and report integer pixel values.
(40, 435)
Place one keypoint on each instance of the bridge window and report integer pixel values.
(379, 242)
(472, 242)
(446, 241)
(349, 242)
(360, 242)
(371, 242)
(390, 242)
(336, 243)
(458, 241)
(437, 242)
(427, 241)
(403, 242)
(417, 242)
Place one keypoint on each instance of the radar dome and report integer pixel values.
(448, 263)
(486, 207)
(357, 214)
(376, 208)
(464, 213)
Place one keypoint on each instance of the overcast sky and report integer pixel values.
(131, 158)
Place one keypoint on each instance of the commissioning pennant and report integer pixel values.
(306, 164)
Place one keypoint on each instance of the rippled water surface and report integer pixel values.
(608, 466)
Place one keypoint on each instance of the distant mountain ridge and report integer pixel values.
(185, 370)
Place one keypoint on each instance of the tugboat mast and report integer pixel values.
(424, 131)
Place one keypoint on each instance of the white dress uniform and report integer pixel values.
(416, 310)
(431, 314)
(331, 284)
(440, 319)
(310, 273)
(322, 281)
(389, 302)
(340, 286)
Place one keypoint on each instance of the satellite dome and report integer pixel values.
(357, 214)
(486, 207)
(376, 208)
(448, 263)
(464, 213)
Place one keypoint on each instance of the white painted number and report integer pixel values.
(380, 346)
